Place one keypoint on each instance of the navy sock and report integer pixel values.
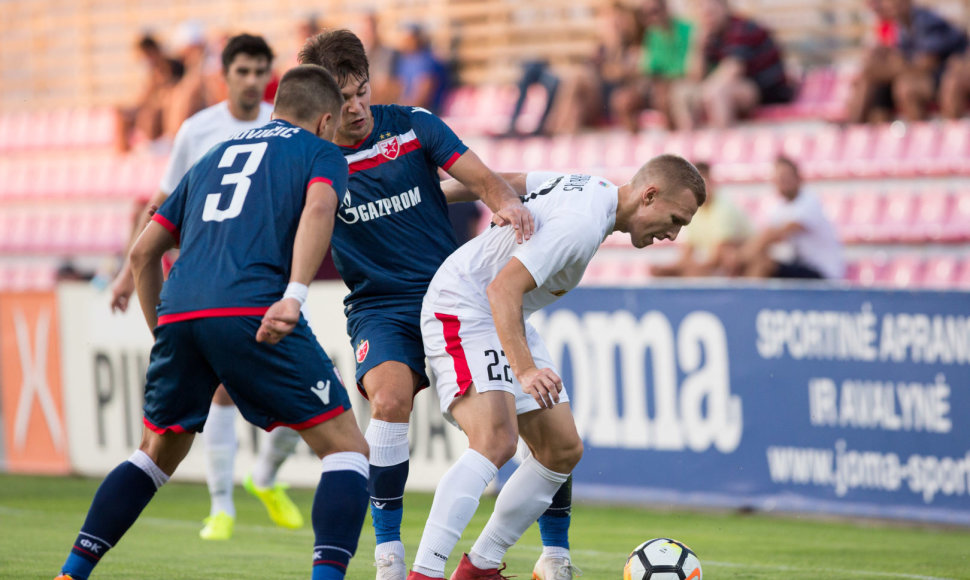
(386, 487)
(339, 507)
(554, 522)
(119, 501)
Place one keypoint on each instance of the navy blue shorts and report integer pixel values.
(292, 383)
(379, 335)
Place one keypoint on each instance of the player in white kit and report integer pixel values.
(493, 373)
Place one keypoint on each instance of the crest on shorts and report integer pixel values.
(558, 293)
(362, 348)
(389, 147)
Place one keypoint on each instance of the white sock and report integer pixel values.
(455, 502)
(522, 500)
(219, 435)
(388, 442)
(278, 444)
(142, 461)
(346, 461)
(555, 552)
(395, 548)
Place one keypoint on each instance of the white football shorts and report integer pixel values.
(466, 351)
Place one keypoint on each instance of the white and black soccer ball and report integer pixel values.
(662, 559)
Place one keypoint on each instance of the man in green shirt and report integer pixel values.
(666, 41)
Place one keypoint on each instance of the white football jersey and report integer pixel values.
(201, 132)
(573, 215)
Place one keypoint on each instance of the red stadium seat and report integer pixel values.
(882, 157)
(898, 217)
(962, 278)
(707, 145)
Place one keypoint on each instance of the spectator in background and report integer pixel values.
(799, 222)
(666, 42)
(145, 119)
(713, 238)
(737, 68)
(382, 58)
(421, 77)
(188, 96)
(583, 99)
(906, 77)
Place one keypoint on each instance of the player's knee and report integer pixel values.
(391, 404)
(563, 456)
(499, 446)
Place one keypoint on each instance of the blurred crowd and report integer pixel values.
(717, 66)
(184, 75)
(710, 68)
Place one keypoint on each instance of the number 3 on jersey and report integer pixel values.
(239, 179)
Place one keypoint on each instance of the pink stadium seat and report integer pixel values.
(962, 279)
(940, 272)
(535, 154)
(796, 143)
(867, 271)
(649, 145)
(824, 157)
(835, 203)
(921, 148)
(707, 144)
(863, 215)
(508, 155)
(953, 155)
(956, 227)
(884, 154)
(933, 208)
(620, 152)
(904, 272)
(898, 218)
(857, 148)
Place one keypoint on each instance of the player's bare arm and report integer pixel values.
(123, 286)
(496, 193)
(146, 267)
(309, 248)
(456, 191)
(505, 295)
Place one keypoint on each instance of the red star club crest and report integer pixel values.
(389, 147)
(362, 348)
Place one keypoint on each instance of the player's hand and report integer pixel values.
(514, 213)
(279, 321)
(542, 384)
(122, 287)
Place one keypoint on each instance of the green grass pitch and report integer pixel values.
(39, 517)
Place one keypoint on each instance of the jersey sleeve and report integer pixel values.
(567, 239)
(178, 161)
(439, 141)
(172, 212)
(534, 179)
(330, 167)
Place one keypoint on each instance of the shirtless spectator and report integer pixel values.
(188, 96)
(145, 119)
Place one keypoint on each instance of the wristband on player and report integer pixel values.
(296, 291)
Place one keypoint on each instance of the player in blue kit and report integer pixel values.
(391, 235)
(253, 218)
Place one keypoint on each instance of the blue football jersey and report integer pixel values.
(235, 214)
(392, 230)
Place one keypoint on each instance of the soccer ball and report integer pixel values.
(662, 559)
